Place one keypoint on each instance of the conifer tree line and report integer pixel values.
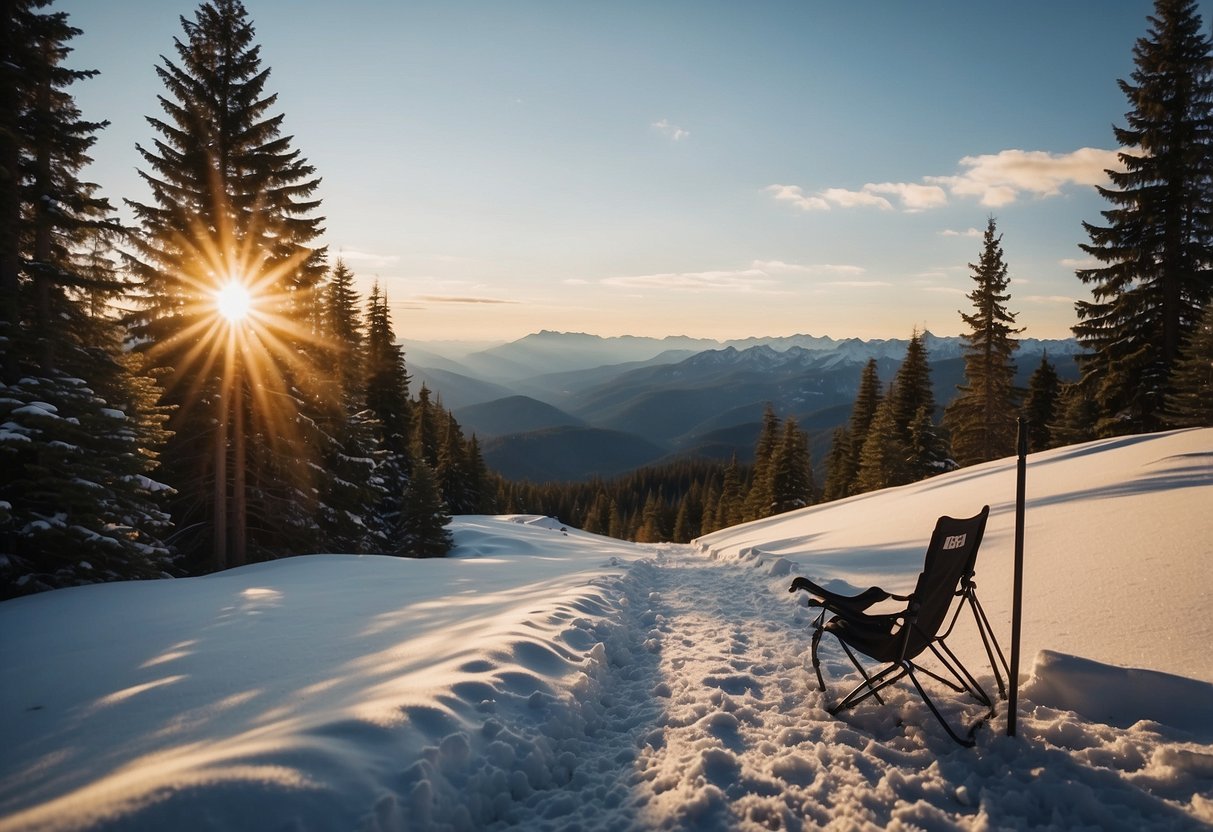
(142, 434)
(682, 500)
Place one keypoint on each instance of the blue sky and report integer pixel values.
(717, 169)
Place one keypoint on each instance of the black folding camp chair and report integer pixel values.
(899, 638)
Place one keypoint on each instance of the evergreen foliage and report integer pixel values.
(1042, 406)
(863, 412)
(760, 498)
(81, 432)
(424, 516)
(1156, 248)
(913, 410)
(982, 419)
(231, 200)
(840, 468)
(1191, 403)
(792, 484)
(1079, 415)
(884, 460)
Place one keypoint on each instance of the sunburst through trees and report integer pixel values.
(231, 223)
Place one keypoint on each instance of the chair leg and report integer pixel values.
(869, 687)
(988, 639)
(821, 682)
(957, 668)
(863, 673)
(968, 741)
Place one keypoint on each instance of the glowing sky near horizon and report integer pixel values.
(711, 169)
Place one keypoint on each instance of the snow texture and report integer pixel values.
(545, 678)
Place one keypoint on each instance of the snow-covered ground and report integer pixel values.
(550, 679)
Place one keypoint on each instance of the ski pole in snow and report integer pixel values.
(1021, 442)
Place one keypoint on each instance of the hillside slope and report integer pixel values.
(546, 679)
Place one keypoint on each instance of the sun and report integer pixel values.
(233, 301)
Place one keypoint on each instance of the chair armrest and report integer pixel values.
(844, 603)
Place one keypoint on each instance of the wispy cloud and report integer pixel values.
(968, 232)
(762, 276)
(670, 131)
(1047, 299)
(458, 299)
(742, 280)
(860, 284)
(913, 197)
(780, 267)
(367, 259)
(1079, 263)
(795, 195)
(994, 179)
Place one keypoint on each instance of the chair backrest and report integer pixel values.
(949, 561)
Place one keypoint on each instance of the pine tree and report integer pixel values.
(1079, 415)
(1191, 403)
(867, 403)
(730, 509)
(426, 435)
(342, 330)
(760, 497)
(913, 404)
(424, 516)
(792, 471)
(82, 428)
(598, 519)
(1156, 251)
(840, 470)
(711, 505)
(387, 403)
(231, 202)
(617, 527)
(651, 528)
(452, 469)
(1041, 406)
(480, 484)
(352, 493)
(883, 461)
(928, 450)
(982, 419)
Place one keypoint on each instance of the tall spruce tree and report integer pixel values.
(1191, 403)
(792, 484)
(231, 201)
(353, 490)
(424, 516)
(1156, 250)
(77, 499)
(867, 402)
(730, 509)
(760, 497)
(982, 419)
(913, 407)
(387, 403)
(840, 468)
(883, 461)
(1040, 408)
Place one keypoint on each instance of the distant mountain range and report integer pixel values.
(569, 406)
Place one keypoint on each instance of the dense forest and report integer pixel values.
(203, 387)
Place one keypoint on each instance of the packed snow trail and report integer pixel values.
(699, 710)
